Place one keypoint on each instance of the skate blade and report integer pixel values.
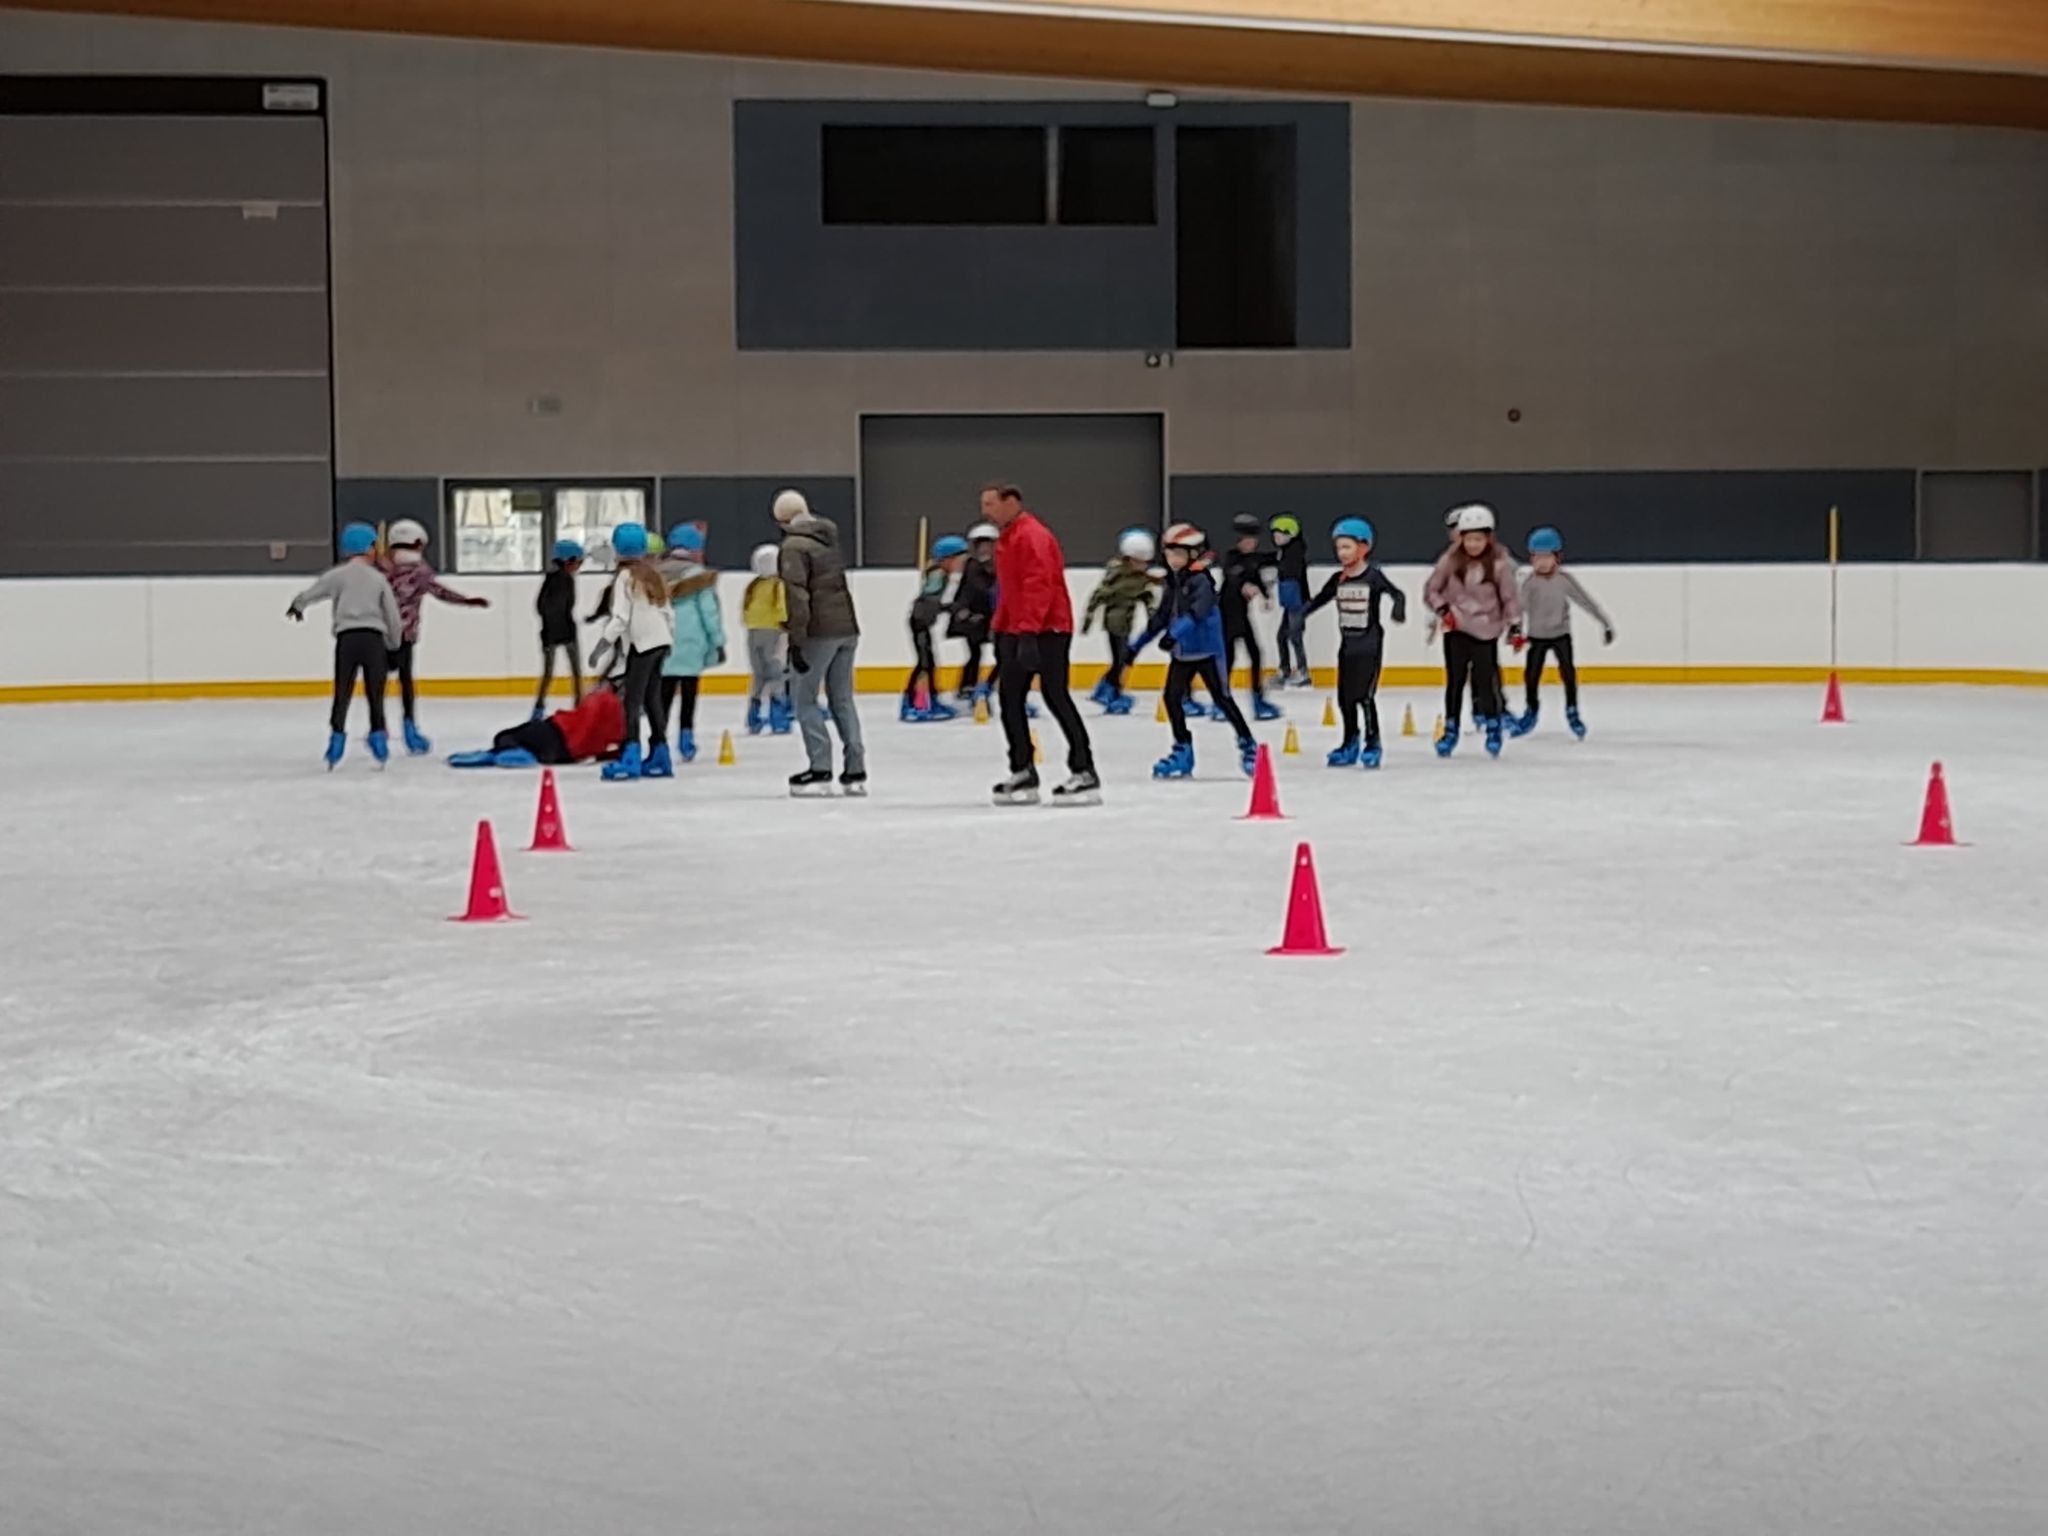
(1020, 797)
(1086, 797)
(812, 792)
(854, 791)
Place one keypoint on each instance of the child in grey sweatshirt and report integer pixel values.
(1547, 597)
(367, 628)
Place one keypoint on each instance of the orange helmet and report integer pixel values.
(1185, 536)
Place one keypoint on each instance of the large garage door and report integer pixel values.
(164, 339)
(1088, 476)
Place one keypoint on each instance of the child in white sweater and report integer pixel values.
(642, 626)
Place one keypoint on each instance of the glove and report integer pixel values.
(1516, 639)
(478, 602)
(1138, 644)
(1448, 619)
(1607, 637)
(294, 615)
(1088, 624)
(718, 657)
(1027, 652)
(598, 655)
(796, 658)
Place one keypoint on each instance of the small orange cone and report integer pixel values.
(1408, 722)
(1265, 804)
(1304, 933)
(726, 755)
(1291, 747)
(549, 834)
(1329, 713)
(1831, 708)
(1937, 830)
(487, 902)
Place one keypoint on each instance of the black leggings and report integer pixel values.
(1119, 657)
(1358, 681)
(642, 695)
(1468, 657)
(1014, 672)
(680, 692)
(543, 738)
(547, 670)
(1179, 674)
(1250, 641)
(970, 669)
(400, 662)
(927, 669)
(359, 651)
(1568, 669)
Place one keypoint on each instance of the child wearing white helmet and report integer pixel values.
(940, 577)
(1191, 621)
(1126, 588)
(1473, 594)
(413, 581)
(765, 610)
(1548, 593)
(974, 610)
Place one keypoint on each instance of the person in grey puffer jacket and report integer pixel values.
(1548, 593)
(367, 628)
(824, 633)
(1472, 591)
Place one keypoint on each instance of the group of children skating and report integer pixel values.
(662, 628)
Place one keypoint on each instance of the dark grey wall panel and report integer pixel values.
(1090, 477)
(164, 418)
(387, 500)
(735, 508)
(43, 245)
(257, 332)
(161, 159)
(162, 518)
(1977, 515)
(1649, 516)
(804, 285)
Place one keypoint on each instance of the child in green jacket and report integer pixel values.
(1127, 586)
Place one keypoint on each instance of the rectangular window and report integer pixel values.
(509, 530)
(1235, 222)
(1106, 176)
(934, 175)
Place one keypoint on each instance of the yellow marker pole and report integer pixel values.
(924, 531)
(1834, 588)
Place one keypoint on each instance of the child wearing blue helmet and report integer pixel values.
(556, 606)
(1357, 589)
(367, 629)
(638, 626)
(699, 640)
(935, 590)
(1547, 597)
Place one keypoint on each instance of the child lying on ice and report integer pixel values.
(593, 730)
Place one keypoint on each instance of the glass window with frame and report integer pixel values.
(588, 514)
(497, 530)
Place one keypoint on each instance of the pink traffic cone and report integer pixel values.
(1304, 934)
(549, 835)
(1265, 804)
(1937, 830)
(487, 902)
(1831, 708)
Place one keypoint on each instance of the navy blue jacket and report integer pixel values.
(1189, 615)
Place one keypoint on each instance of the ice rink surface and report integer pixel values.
(1668, 1155)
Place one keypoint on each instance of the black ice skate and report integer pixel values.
(811, 784)
(1082, 789)
(1020, 788)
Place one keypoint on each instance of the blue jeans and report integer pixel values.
(831, 664)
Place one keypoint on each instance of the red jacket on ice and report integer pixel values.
(1031, 581)
(594, 728)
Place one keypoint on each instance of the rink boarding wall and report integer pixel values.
(69, 640)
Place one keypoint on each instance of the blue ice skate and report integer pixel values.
(1495, 728)
(483, 759)
(627, 767)
(658, 764)
(1344, 756)
(416, 745)
(1247, 755)
(1120, 705)
(516, 757)
(1194, 708)
(1103, 693)
(937, 710)
(780, 717)
(337, 744)
(908, 712)
(1523, 724)
(1265, 709)
(380, 747)
(1447, 743)
(1177, 764)
(1370, 757)
(755, 720)
(686, 745)
(1571, 718)
(540, 712)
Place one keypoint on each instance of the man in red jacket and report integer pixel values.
(1034, 630)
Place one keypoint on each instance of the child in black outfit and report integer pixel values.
(556, 606)
(1357, 589)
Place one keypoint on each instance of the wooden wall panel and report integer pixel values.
(1976, 34)
(1061, 47)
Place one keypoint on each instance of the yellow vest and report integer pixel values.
(765, 606)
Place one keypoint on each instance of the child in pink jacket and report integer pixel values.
(1472, 592)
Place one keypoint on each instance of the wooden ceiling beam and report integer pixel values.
(1148, 53)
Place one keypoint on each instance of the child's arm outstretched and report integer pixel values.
(1324, 598)
(435, 589)
(322, 591)
(1584, 599)
(1393, 594)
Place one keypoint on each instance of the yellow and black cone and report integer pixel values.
(1408, 722)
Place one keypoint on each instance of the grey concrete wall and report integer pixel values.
(1650, 292)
